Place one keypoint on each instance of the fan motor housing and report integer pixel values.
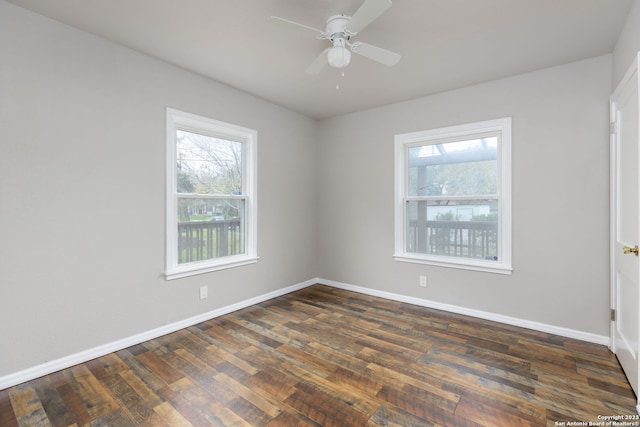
(337, 27)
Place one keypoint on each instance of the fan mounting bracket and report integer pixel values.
(337, 27)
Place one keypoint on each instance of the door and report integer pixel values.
(625, 231)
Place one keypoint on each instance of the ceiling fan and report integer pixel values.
(339, 31)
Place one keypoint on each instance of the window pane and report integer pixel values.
(461, 168)
(210, 228)
(466, 228)
(208, 165)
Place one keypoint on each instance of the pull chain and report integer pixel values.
(338, 85)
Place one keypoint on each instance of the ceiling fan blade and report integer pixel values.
(318, 64)
(296, 26)
(375, 53)
(367, 13)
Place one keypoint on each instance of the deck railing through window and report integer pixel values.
(200, 240)
(472, 239)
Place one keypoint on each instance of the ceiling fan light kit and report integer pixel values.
(339, 30)
(339, 56)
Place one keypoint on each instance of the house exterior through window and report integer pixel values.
(453, 196)
(211, 195)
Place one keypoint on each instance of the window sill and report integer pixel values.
(446, 262)
(198, 268)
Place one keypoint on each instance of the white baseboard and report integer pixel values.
(528, 324)
(93, 353)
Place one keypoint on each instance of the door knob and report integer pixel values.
(629, 250)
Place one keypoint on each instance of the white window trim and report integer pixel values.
(403, 142)
(191, 122)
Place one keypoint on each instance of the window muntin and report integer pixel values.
(453, 196)
(211, 210)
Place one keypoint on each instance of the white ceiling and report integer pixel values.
(445, 44)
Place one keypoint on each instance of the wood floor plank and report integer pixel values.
(249, 412)
(319, 332)
(388, 416)
(393, 376)
(344, 393)
(534, 414)
(195, 403)
(27, 407)
(522, 381)
(7, 414)
(343, 377)
(492, 415)
(219, 355)
(324, 356)
(609, 387)
(57, 412)
(430, 408)
(74, 404)
(339, 358)
(201, 374)
(324, 409)
(97, 400)
(141, 389)
(97, 369)
(147, 376)
(230, 343)
(159, 367)
(113, 364)
(132, 404)
(291, 420)
(272, 382)
(170, 416)
(307, 361)
(267, 406)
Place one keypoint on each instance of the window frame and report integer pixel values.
(180, 120)
(403, 142)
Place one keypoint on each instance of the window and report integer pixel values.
(453, 196)
(211, 195)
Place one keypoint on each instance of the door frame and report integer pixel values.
(632, 72)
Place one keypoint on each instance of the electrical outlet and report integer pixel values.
(423, 281)
(204, 292)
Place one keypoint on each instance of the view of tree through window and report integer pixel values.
(210, 168)
(211, 195)
(208, 165)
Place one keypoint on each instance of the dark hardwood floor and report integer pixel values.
(327, 357)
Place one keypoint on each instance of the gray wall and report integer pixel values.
(560, 197)
(628, 44)
(82, 198)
